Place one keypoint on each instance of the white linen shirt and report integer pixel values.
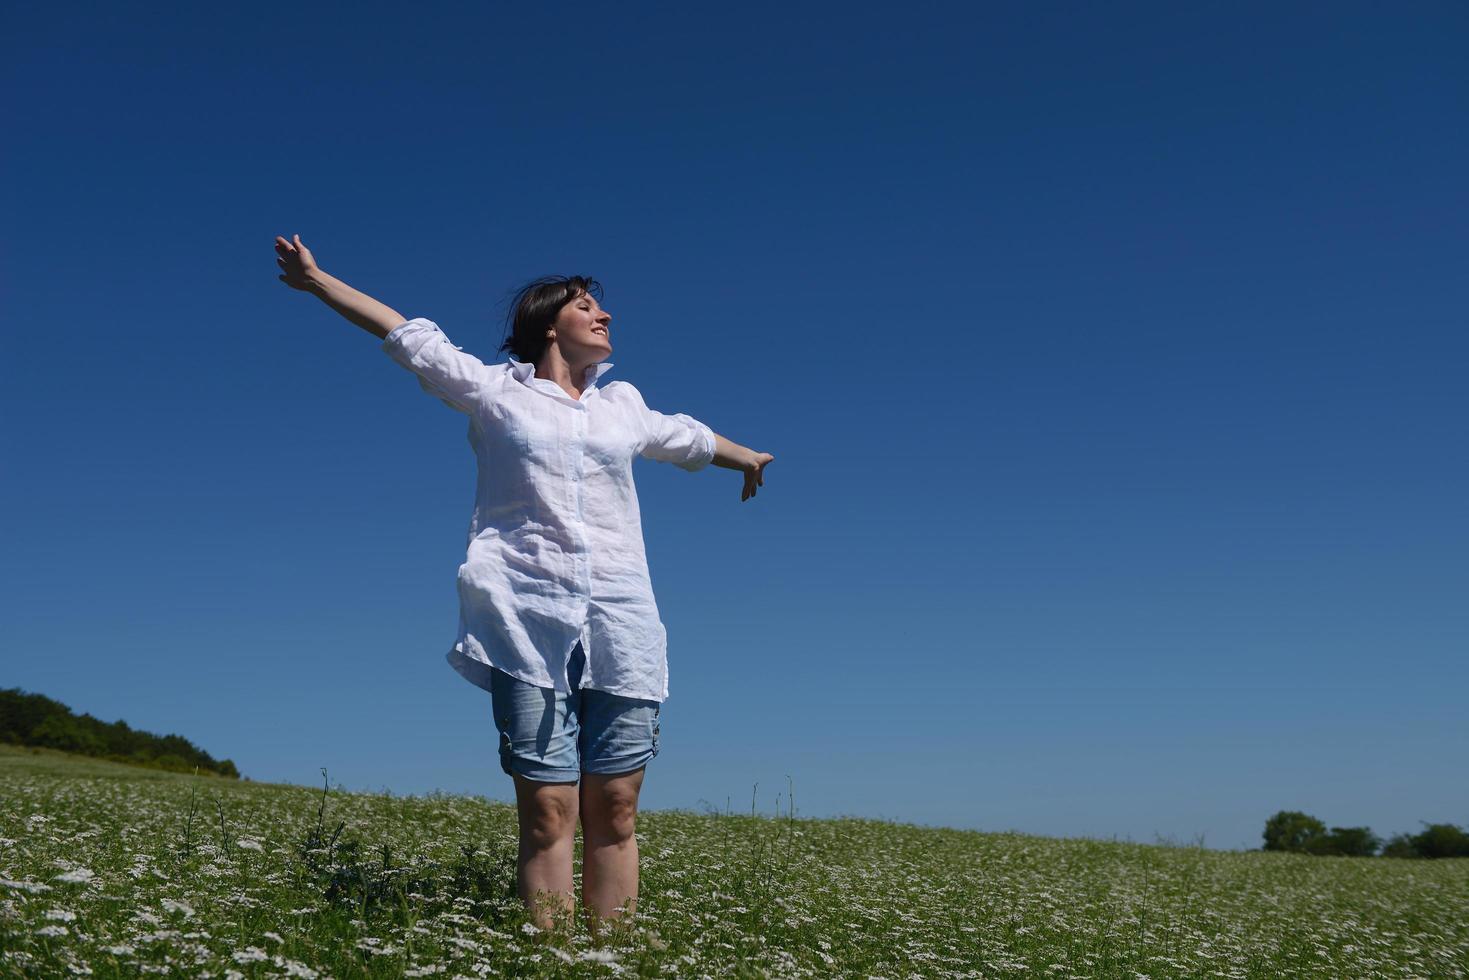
(555, 550)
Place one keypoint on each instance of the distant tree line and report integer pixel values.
(34, 719)
(1290, 830)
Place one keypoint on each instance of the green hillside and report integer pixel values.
(36, 720)
(116, 871)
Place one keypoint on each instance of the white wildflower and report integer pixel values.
(250, 954)
(371, 944)
(249, 844)
(169, 905)
(25, 886)
(294, 969)
(52, 931)
(61, 915)
(76, 876)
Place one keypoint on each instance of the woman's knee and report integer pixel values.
(609, 808)
(548, 813)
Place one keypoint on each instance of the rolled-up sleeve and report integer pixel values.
(679, 439)
(443, 370)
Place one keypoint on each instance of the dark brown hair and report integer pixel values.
(536, 306)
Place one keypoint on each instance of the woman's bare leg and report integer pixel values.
(609, 807)
(548, 815)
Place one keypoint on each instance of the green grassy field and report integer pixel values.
(104, 872)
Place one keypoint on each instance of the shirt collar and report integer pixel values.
(525, 372)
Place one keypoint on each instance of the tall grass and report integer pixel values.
(110, 871)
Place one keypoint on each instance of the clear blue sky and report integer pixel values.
(1112, 358)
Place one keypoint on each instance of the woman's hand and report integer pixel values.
(300, 271)
(754, 474)
(296, 262)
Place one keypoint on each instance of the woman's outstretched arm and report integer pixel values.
(300, 271)
(733, 456)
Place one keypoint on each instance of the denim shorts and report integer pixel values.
(553, 737)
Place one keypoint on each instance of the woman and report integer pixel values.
(557, 616)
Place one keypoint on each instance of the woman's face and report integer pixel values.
(582, 328)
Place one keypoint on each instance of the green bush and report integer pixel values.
(1301, 833)
(1346, 842)
(1291, 830)
(1399, 846)
(1441, 840)
(60, 732)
